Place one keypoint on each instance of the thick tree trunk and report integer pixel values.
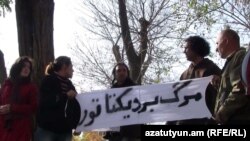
(35, 33)
(3, 74)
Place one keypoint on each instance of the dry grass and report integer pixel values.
(89, 136)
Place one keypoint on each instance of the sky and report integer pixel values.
(65, 27)
(68, 17)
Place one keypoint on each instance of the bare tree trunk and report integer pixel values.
(35, 33)
(135, 59)
(3, 74)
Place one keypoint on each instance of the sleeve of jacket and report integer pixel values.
(30, 107)
(237, 97)
(50, 94)
(213, 70)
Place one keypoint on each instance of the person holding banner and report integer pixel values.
(196, 49)
(18, 102)
(232, 103)
(122, 79)
(59, 111)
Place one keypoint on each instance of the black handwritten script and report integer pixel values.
(136, 106)
(92, 114)
(178, 86)
(128, 100)
(120, 106)
(119, 102)
(149, 103)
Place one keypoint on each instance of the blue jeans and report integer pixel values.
(45, 135)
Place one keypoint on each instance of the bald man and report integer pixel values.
(232, 103)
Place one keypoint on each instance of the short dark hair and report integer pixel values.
(199, 45)
(231, 34)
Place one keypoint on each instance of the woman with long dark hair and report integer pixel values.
(18, 102)
(121, 78)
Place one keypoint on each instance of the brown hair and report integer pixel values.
(57, 64)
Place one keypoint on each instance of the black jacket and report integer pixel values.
(51, 114)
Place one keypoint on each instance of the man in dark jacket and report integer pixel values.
(129, 132)
(196, 49)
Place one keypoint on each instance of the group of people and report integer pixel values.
(226, 96)
(57, 112)
(53, 105)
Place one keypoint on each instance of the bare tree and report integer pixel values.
(236, 14)
(143, 33)
(35, 32)
(225, 13)
(93, 63)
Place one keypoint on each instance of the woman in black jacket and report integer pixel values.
(59, 111)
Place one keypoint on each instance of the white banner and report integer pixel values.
(143, 104)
